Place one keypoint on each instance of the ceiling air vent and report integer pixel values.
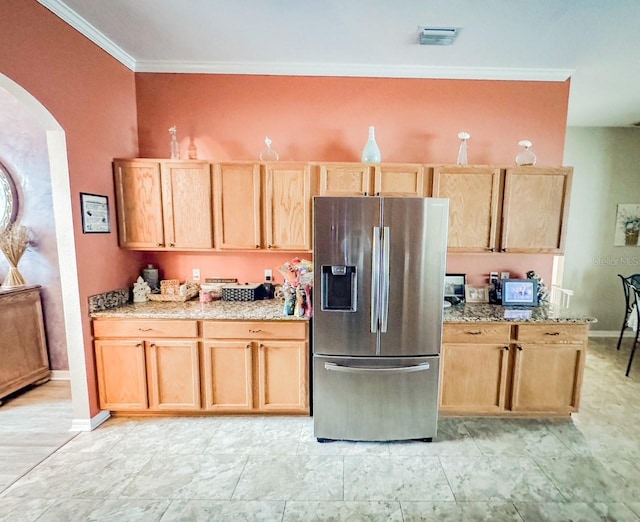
(437, 35)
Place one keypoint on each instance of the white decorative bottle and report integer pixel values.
(462, 151)
(371, 151)
(175, 146)
(527, 156)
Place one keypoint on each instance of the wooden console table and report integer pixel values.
(23, 345)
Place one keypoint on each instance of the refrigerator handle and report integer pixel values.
(375, 279)
(366, 369)
(384, 286)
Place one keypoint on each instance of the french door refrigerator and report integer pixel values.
(379, 266)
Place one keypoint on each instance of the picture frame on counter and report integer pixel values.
(95, 213)
(454, 285)
(476, 294)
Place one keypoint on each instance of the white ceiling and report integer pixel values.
(594, 42)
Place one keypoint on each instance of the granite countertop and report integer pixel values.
(481, 312)
(266, 310)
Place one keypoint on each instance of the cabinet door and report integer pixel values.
(227, 369)
(188, 205)
(139, 204)
(473, 194)
(399, 180)
(345, 179)
(287, 206)
(237, 196)
(283, 370)
(122, 378)
(173, 375)
(535, 209)
(474, 378)
(547, 377)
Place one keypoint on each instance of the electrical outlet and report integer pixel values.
(268, 274)
(195, 273)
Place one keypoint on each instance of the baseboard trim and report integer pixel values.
(610, 333)
(60, 375)
(90, 424)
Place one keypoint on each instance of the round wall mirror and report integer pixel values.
(8, 199)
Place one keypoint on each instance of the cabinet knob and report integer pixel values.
(158, 244)
(257, 246)
(248, 347)
(552, 333)
(138, 345)
(474, 333)
(144, 329)
(172, 244)
(519, 348)
(506, 348)
(255, 331)
(153, 345)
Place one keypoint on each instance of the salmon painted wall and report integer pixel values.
(92, 96)
(227, 117)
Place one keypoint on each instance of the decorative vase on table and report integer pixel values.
(13, 242)
(371, 151)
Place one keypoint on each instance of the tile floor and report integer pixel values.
(582, 468)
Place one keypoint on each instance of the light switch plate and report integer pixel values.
(195, 273)
(268, 274)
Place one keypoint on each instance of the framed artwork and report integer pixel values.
(95, 214)
(476, 294)
(454, 285)
(627, 225)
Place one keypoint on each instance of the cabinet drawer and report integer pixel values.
(255, 329)
(476, 333)
(144, 328)
(549, 333)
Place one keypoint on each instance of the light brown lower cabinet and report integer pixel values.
(512, 369)
(202, 366)
(150, 365)
(256, 366)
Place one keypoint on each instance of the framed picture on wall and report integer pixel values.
(95, 214)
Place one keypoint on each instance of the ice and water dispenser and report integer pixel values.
(339, 288)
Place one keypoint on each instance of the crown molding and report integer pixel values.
(300, 69)
(88, 30)
(355, 70)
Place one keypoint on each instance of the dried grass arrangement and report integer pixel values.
(13, 242)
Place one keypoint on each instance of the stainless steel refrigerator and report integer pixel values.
(379, 266)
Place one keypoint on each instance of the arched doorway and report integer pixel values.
(59, 171)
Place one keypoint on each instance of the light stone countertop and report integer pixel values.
(482, 312)
(266, 310)
(271, 310)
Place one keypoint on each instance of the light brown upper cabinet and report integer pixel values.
(535, 209)
(474, 198)
(345, 179)
(531, 203)
(287, 206)
(364, 179)
(237, 193)
(263, 206)
(404, 179)
(164, 205)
